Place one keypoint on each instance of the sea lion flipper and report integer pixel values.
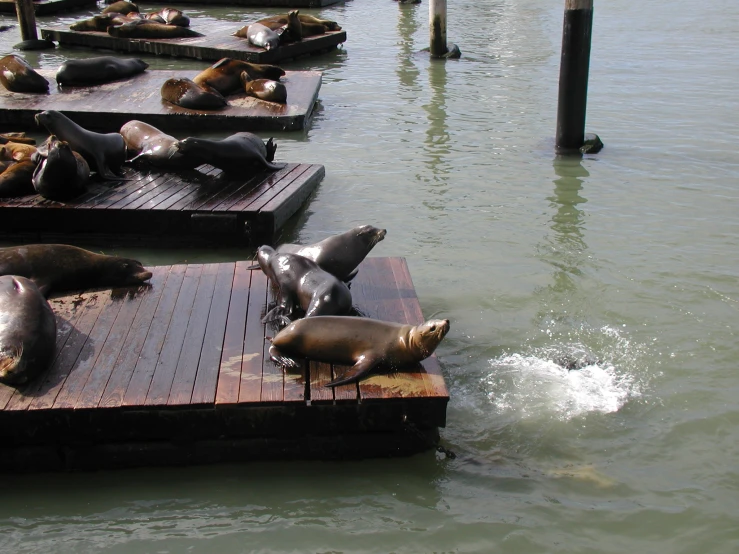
(273, 167)
(280, 359)
(355, 373)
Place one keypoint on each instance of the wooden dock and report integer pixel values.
(217, 43)
(178, 373)
(291, 4)
(192, 207)
(108, 106)
(48, 7)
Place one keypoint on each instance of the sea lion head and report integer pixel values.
(265, 256)
(370, 235)
(427, 336)
(124, 271)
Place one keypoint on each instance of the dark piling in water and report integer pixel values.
(573, 80)
(27, 23)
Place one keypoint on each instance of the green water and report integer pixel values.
(629, 256)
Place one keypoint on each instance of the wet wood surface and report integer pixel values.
(194, 206)
(218, 42)
(108, 106)
(194, 337)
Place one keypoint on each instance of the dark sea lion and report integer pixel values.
(61, 267)
(259, 35)
(17, 180)
(27, 331)
(100, 23)
(105, 152)
(310, 25)
(235, 153)
(151, 145)
(360, 342)
(225, 74)
(100, 69)
(302, 285)
(341, 254)
(264, 89)
(61, 174)
(121, 7)
(169, 16)
(150, 29)
(17, 76)
(188, 94)
(287, 26)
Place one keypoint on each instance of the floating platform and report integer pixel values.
(291, 4)
(179, 373)
(108, 106)
(217, 43)
(48, 7)
(200, 206)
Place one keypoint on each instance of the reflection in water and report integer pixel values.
(406, 70)
(437, 133)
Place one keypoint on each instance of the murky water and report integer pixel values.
(627, 259)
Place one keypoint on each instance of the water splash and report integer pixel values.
(538, 383)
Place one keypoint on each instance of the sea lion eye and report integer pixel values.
(433, 327)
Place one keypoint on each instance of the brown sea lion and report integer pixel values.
(302, 285)
(16, 137)
(61, 267)
(100, 23)
(17, 151)
(235, 153)
(341, 254)
(225, 74)
(27, 331)
(150, 29)
(287, 26)
(310, 25)
(188, 94)
(149, 144)
(169, 16)
(360, 342)
(61, 174)
(100, 69)
(17, 180)
(105, 152)
(121, 7)
(264, 89)
(259, 35)
(17, 76)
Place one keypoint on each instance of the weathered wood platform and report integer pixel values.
(200, 206)
(217, 43)
(107, 107)
(257, 3)
(48, 7)
(178, 372)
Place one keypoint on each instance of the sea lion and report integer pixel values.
(61, 267)
(358, 341)
(302, 284)
(105, 152)
(259, 35)
(287, 26)
(121, 7)
(61, 174)
(225, 74)
(17, 180)
(17, 76)
(264, 89)
(17, 151)
(310, 25)
(169, 16)
(232, 154)
(188, 94)
(27, 330)
(149, 144)
(100, 23)
(16, 137)
(101, 69)
(149, 29)
(341, 254)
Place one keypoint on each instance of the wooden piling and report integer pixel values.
(26, 19)
(573, 75)
(437, 24)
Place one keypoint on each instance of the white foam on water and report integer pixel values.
(536, 384)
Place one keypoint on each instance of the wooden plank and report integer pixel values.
(171, 346)
(206, 381)
(189, 356)
(320, 374)
(250, 389)
(121, 101)
(271, 185)
(273, 376)
(229, 374)
(284, 204)
(63, 365)
(211, 200)
(148, 356)
(105, 366)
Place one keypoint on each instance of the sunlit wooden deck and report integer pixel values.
(218, 42)
(178, 372)
(108, 106)
(200, 206)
